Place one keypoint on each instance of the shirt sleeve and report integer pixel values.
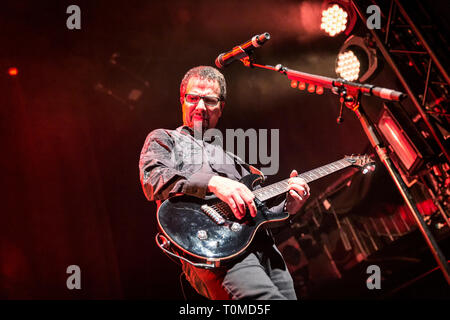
(158, 172)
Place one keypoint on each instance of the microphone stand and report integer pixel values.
(350, 95)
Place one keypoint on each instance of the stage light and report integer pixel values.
(409, 149)
(13, 71)
(334, 20)
(348, 66)
(338, 16)
(398, 141)
(356, 60)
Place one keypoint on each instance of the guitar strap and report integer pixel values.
(247, 166)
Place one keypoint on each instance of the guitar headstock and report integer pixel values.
(365, 162)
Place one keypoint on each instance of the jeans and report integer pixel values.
(261, 274)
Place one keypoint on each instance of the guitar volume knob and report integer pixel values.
(202, 234)
(235, 227)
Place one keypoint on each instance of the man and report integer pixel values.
(175, 162)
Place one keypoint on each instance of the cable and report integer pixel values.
(164, 250)
(182, 286)
(198, 265)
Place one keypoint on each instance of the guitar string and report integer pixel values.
(223, 208)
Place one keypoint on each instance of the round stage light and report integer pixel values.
(334, 20)
(348, 66)
(356, 60)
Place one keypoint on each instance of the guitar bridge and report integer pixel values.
(213, 214)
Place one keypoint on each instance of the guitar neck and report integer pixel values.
(281, 187)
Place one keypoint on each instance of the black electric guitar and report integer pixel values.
(206, 233)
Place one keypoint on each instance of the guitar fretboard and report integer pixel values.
(273, 190)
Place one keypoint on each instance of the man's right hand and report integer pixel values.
(233, 193)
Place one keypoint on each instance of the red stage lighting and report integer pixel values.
(398, 140)
(410, 151)
(13, 71)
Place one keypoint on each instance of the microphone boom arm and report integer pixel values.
(352, 88)
(352, 91)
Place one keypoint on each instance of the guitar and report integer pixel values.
(205, 232)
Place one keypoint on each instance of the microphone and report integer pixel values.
(388, 94)
(371, 90)
(242, 50)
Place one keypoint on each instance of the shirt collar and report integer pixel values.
(189, 131)
(185, 130)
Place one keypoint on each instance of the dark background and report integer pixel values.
(70, 185)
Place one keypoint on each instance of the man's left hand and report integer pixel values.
(298, 193)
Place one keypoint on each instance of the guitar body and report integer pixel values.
(207, 232)
(188, 224)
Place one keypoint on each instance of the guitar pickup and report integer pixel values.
(213, 214)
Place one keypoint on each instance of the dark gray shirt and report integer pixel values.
(174, 162)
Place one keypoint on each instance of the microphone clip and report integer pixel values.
(345, 98)
(248, 61)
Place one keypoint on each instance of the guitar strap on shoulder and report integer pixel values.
(247, 166)
(254, 170)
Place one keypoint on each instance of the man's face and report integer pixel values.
(201, 111)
